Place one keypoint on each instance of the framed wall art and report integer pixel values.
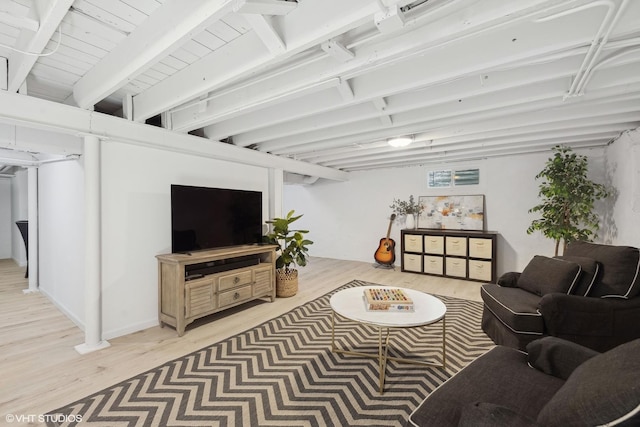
(452, 212)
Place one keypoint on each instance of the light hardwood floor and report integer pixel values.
(41, 371)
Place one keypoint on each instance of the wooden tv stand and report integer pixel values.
(191, 286)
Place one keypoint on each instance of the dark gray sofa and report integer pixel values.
(558, 383)
(590, 296)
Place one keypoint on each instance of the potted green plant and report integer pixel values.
(408, 208)
(567, 199)
(292, 251)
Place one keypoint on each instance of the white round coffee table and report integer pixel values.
(349, 303)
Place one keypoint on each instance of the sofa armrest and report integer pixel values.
(509, 280)
(556, 356)
(598, 323)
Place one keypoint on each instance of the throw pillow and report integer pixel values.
(590, 268)
(545, 275)
(604, 390)
(620, 267)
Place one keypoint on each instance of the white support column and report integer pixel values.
(92, 252)
(32, 207)
(276, 190)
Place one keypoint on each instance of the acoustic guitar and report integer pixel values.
(386, 253)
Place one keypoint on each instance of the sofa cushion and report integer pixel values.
(619, 268)
(483, 414)
(604, 389)
(516, 308)
(545, 275)
(590, 268)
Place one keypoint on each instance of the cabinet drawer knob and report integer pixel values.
(236, 295)
(236, 280)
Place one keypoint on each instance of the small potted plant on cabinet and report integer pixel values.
(292, 249)
(409, 209)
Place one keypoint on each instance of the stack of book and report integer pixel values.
(387, 299)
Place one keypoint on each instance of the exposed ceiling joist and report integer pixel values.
(49, 15)
(337, 51)
(23, 22)
(169, 27)
(264, 28)
(245, 58)
(265, 7)
(372, 61)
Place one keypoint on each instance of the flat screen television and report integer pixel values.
(206, 218)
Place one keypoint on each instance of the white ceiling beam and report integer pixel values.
(380, 104)
(165, 30)
(386, 152)
(537, 112)
(264, 7)
(302, 32)
(386, 120)
(441, 104)
(345, 90)
(4, 73)
(414, 157)
(476, 132)
(395, 102)
(36, 113)
(599, 123)
(27, 139)
(337, 51)
(525, 96)
(390, 20)
(23, 22)
(456, 157)
(49, 14)
(313, 103)
(264, 28)
(269, 136)
(424, 43)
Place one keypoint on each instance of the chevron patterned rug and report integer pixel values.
(283, 373)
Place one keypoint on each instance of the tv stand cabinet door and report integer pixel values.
(200, 298)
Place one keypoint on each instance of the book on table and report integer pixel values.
(387, 299)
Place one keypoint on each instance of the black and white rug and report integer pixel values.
(283, 373)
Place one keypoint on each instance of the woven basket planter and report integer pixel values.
(286, 283)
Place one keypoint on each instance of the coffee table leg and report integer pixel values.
(382, 358)
(333, 331)
(444, 347)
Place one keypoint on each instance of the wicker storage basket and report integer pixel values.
(286, 283)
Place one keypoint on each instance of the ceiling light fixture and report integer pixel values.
(400, 141)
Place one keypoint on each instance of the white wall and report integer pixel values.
(5, 218)
(19, 211)
(347, 220)
(623, 172)
(136, 223)
(61, 236)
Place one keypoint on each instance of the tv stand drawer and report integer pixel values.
(235, 296)
(234, 280)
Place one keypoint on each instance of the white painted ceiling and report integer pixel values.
(329, 81)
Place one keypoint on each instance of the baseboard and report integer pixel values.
(129, 329)
(63, 309)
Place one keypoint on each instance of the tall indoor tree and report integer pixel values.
(567, 199)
